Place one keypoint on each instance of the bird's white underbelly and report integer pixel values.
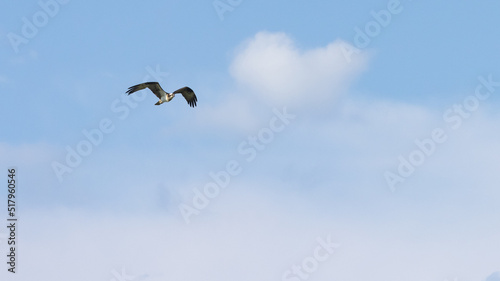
(166, 98)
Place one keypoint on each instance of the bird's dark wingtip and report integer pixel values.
(192, 103)
(130, 90)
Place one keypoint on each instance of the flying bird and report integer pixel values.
(186, 92)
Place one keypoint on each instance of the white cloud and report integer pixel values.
(267, 229)
(248, 235)
(270, 71)
(280, 73)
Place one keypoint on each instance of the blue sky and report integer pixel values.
(369, 124)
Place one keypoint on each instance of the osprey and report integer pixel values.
(186, 92)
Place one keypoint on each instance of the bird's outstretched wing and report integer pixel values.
(153, 86)
(188, 94)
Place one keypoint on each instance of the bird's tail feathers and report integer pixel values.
(158, 103)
